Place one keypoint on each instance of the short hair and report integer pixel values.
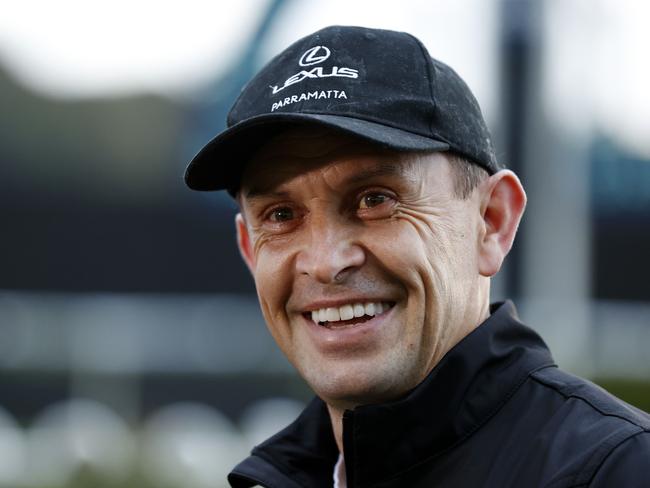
(466, 174)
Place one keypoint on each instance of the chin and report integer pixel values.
(352, 389)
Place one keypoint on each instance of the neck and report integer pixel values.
(336, 417)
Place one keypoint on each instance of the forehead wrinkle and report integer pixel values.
(401, 169)
(273, 170)
(272, 187)
(281, 161)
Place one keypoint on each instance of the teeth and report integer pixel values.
(346, 312)
(333, 315)
(349, 311)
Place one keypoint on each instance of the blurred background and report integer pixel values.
(132, 350)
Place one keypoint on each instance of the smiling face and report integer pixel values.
(366, 263)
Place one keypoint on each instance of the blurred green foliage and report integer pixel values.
(634, 391)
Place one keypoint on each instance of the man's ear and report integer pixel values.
(502, 206)
(244, 242)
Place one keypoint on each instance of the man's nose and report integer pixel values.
(330, 253)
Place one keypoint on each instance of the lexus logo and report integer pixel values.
(314, 55)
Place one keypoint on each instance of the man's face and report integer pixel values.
(334, 228)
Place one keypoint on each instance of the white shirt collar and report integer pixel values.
(339, 473)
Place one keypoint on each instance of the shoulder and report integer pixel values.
(608, 438)
(628, 464)
(587, 398)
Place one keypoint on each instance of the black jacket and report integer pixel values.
(495, 412)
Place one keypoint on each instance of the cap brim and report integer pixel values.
(220, 163)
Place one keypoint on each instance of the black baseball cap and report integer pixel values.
(379, 85)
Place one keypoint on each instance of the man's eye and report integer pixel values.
(281, 214)
(372, 200)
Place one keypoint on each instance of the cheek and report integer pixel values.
(405, 256)
(419, 255)
(273, 278)
(411, 249)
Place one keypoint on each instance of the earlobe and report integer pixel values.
(244, 242)
(502, 208)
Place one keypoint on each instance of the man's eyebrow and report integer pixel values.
(255, 193)
(382, 169)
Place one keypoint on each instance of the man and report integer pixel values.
(373, 214)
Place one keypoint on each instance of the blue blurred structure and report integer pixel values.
(208, 117)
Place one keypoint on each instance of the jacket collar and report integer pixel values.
(469, 385)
